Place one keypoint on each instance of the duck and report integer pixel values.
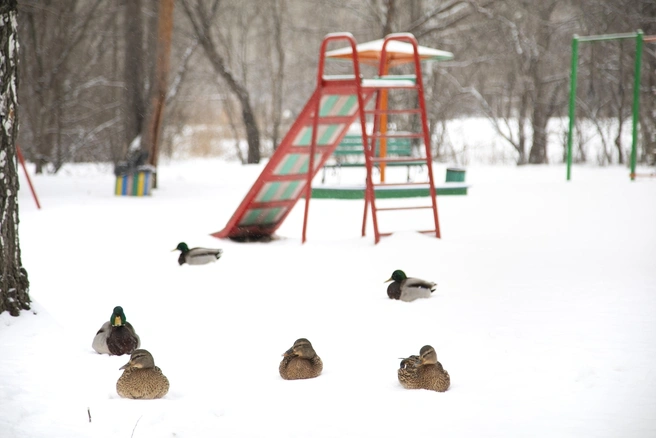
(197, 256)
(406, 288)
(116, 336)
(141, 379)
(424, 371)
(300, 362)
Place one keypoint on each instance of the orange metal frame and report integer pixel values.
(261, 213)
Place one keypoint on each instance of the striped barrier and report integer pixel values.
(135, 183)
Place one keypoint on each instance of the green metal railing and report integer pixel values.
(636, 91)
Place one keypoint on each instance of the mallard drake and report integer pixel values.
(197, 256)
(116, 336)
(406, 288)
(424, 371)
(141, 378)
(300, 362)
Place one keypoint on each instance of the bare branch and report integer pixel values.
(181, 73)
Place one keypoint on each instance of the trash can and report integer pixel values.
(136, 181)
(455, 175)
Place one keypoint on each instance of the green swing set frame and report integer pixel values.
(639, 39)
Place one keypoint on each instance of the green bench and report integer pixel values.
(351, 147)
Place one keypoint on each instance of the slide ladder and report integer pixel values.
(380, 134)
(337, 102)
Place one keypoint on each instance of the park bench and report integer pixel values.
(350, 153)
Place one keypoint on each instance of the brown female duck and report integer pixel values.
(424, 371)
(141, 378)
(300, 362)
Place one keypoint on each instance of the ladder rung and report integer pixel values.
(400, 184)
(406, 85)
(399, 160)
(396, 111)
(338, 77)
(421, 207)
(410, 135)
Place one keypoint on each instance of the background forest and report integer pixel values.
(240, 70)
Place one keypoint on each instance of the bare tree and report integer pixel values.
(443, 16)
(531, 84)
(201, 20)
(52, 33)
(14, 284)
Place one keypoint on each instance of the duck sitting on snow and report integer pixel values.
(116, 336)
(406, 288)
(141, 378)
(424, 371)
(300, 362)
(197, 256)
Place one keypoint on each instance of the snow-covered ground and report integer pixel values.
(544, 315)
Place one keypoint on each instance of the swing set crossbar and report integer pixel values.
(611, 36)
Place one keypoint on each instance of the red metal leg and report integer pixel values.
(27, 175)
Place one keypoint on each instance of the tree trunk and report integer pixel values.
(648, 98)
(521, 129)
(14, 284)
(278, 80)
(150, 139)
(390, 13)
(621, 101)
(133, 73)
(536, 71)
(252, 133)
(538, 154)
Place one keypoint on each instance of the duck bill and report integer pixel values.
(125, 366)
(387, 281)
(289, 352)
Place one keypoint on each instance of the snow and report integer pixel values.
(396, 83)
(544, 313)
(394, 49)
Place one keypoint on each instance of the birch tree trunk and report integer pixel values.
(14, 284)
